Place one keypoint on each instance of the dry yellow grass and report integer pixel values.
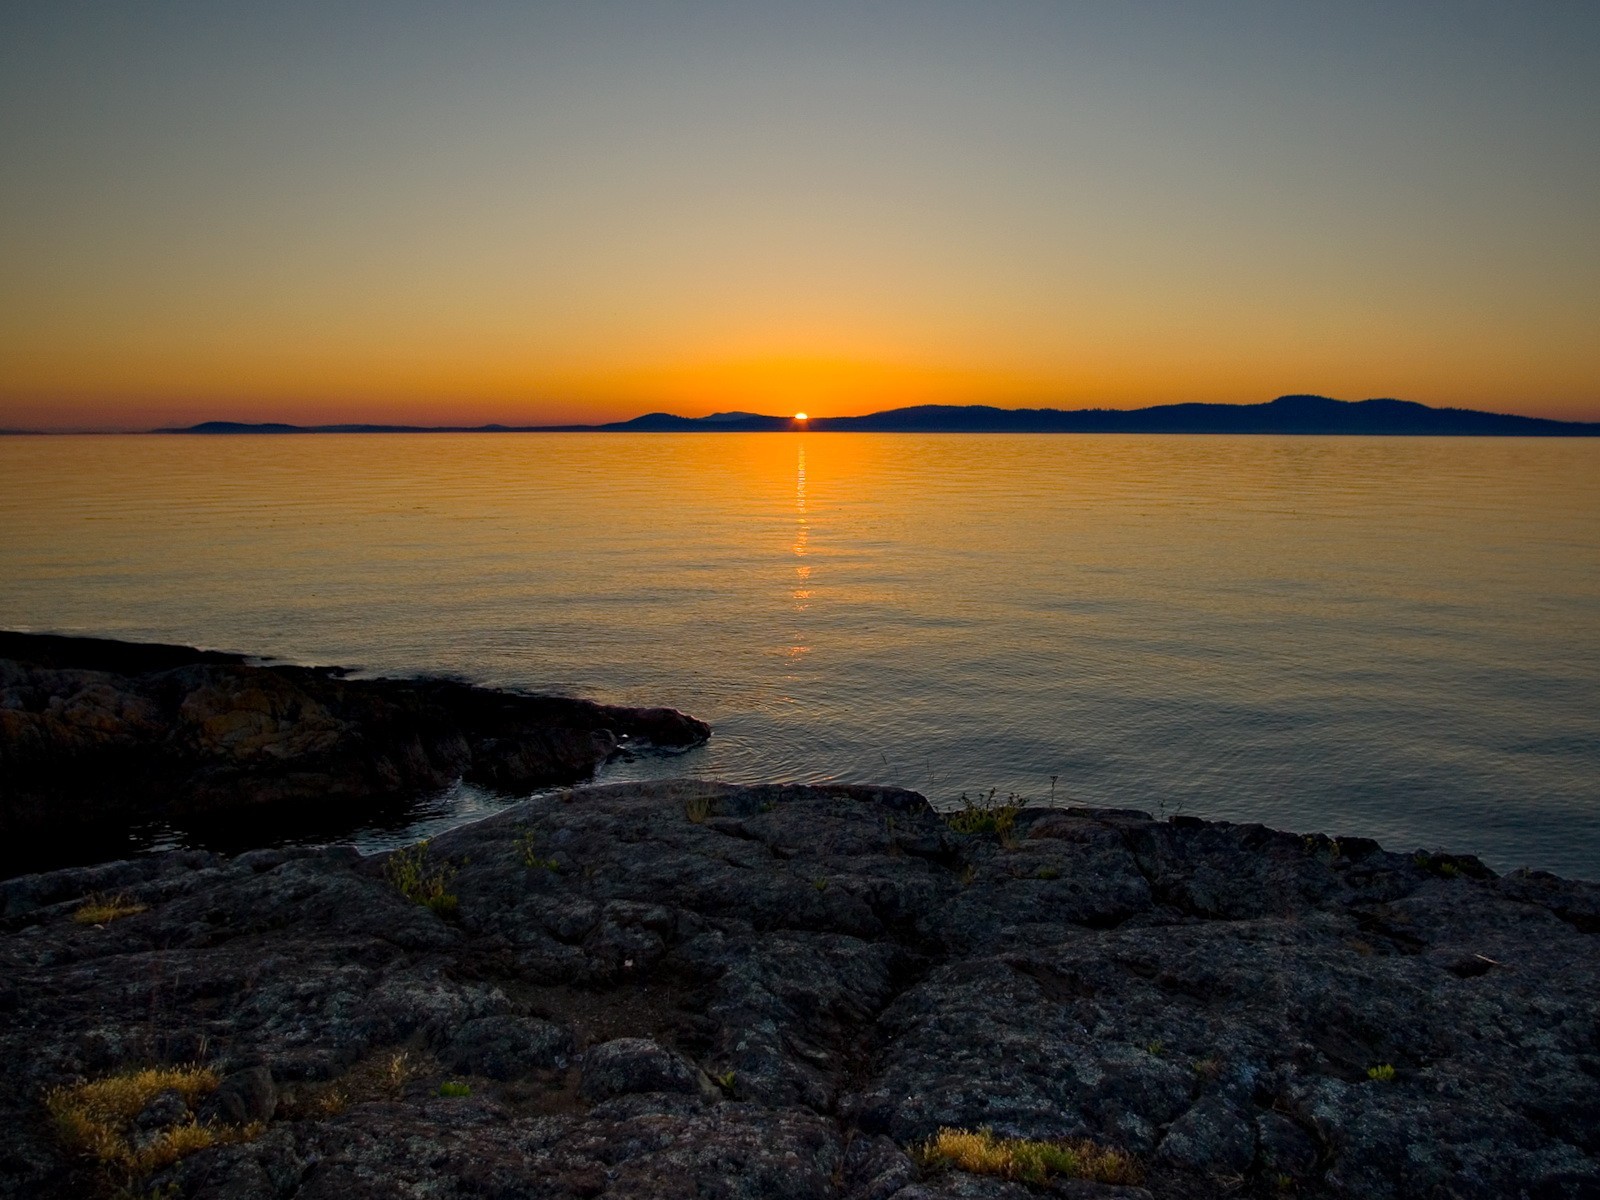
(97, 910)
(986, 1153)
(400, 1071)
(92, 1118)
(330, 1103)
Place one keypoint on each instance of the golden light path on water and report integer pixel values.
(1395, 638)
(802, 570)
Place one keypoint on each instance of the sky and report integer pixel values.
(532, 213)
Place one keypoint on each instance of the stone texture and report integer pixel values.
(853, 975)
(507, 1047)
(627, 1065)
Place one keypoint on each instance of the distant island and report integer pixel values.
(1285, 415)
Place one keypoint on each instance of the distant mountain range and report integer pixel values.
(1286, 414)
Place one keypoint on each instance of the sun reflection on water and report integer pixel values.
(801, 593)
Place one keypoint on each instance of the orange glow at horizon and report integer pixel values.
(329, 392)
(544, 215)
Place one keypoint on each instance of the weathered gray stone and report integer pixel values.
(853, 975)
(627, 1065)
(507, 1047)
(248, 1096)
(1212, 1135)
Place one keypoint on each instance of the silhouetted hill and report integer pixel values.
(1285, 415)
(717, 423)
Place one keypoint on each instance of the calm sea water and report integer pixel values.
(1398, 638)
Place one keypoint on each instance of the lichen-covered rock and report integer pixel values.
(247, 1096)
(1212, 1135)
(507, 1047)
(693, 989)
(626, 1065)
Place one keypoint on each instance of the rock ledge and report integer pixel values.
(691, 989)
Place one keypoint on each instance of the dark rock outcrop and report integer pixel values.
(627, 1066)
(504, 1047)
(99, 735)
(691, 989)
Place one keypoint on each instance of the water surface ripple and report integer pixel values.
(1391, 637)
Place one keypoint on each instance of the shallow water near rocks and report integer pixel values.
(1397, 638)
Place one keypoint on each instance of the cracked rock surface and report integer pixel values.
(689, 989)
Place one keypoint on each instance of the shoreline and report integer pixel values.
(687, 987)
(99, 737)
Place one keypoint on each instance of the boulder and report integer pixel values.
(627, 1065)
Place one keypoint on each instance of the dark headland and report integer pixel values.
(689, 989)
(99, 738)
(1286, 415)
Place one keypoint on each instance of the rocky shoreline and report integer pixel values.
(690, 989)
(99, 736)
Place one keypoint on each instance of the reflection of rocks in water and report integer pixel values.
(106, 736)
(692, 989)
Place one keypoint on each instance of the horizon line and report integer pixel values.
(745, 421)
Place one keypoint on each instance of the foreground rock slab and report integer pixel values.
(690, 989)
(96, 735)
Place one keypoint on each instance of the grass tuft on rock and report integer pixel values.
(102, 910)
(409, 873)
(987, 814)
(1024, 1160)
(528, 851)
(697, 808)
(95, 1119)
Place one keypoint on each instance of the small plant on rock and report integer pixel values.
(698, 808)
(528, 851)
(725, 1081)
(102, 910)
(409, 873)
(1025, 1160)
(400, 1071)
(1436, 864)
(1047, 873)
(1382, 1073)
(454, 1089)
(986, 814)
(1208, 1068)
(330, 1102)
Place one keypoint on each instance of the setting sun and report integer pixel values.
(799, 416)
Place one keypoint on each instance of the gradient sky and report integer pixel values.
(581, 211)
